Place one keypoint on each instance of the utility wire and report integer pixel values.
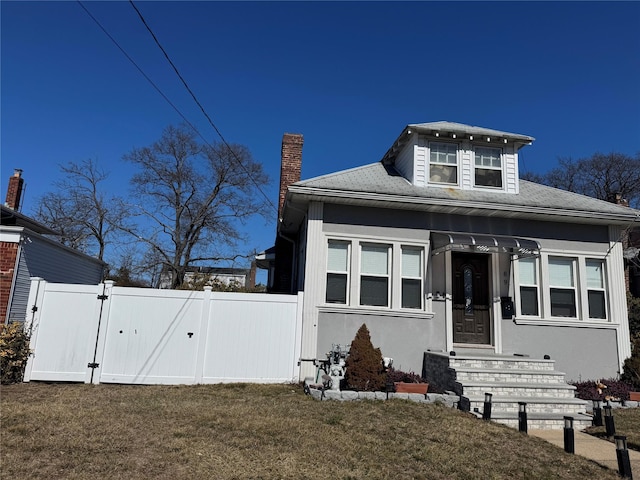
(195, 99)
(186, 120)
(139, 69)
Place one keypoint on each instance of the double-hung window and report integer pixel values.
(443, 163)
(562, 286)
(411, 277)
(595, 288)
(338, 272)
(375, 286)
(488, 167)
(528, 271)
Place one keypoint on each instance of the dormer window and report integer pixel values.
(488, 163)
(443, 163)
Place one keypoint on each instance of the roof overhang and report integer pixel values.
(522, 247)
(298, 196)
(264, 260)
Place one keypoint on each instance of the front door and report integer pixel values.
(471, 306)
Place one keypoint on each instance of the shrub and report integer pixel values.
(605, 389)
(364, 365)
(14, 352)
(631, 367)
(394, 375)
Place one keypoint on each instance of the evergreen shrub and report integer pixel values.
(14, 352)
(364, 365)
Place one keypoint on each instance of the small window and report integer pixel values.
(488, 167)
(337, 271)
(443, 163)
(595, 288)
(411, 277)
(374, 275)
(528, 286)
(562, 283)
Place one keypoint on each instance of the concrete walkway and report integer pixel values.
(593, 448)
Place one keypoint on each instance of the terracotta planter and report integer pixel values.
(634, 396)
(402, 387)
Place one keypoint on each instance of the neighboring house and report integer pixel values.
(242, 277)
(441, 247)
(26, 251)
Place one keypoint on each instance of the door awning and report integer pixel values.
(523, 247)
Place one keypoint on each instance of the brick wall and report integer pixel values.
(8, 254)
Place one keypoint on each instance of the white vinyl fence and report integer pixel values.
(108, 334)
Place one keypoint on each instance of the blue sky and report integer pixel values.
(348, 76)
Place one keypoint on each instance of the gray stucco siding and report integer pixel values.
(415, 224)
(403, 339)
(581, 353)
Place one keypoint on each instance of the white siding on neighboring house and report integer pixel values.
(44, 258)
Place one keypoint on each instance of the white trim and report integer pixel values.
(383, 312)
(495, 336)
(564, 323)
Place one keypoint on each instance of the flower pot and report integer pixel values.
(402, 387)
(634, 396)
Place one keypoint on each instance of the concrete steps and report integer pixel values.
(510, 380)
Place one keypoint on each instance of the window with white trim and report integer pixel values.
(596, 292)
(374, 275)
(443, 163)
(371, 275)
(488, 167)
(562, 286)
(338, 272)
(411, 277)
(529, 288)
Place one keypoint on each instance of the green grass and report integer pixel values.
(626, 422)
(250, 431)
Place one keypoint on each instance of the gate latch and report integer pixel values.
(103, 297)
(93, 365)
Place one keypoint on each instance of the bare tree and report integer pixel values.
(603, 176)
(193, 198)
(79, 209)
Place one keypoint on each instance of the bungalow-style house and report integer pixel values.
(445, 253)
(29, 249)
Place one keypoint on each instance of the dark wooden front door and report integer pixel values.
(471, 317)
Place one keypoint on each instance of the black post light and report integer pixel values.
(389, 387)
(624, 463)
(608, 421)
(522, 417)
(569, 440)
(486, 413)
(597, 413)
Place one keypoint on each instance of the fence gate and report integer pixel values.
(102, 333)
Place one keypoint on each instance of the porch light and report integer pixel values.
(437, 134)
(470, 137)
(504, 140)
(453, 135)
(569, 440)
(488, 139)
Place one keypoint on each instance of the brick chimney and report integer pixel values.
(14, 190)
(290, 165)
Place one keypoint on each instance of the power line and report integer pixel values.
(195, 99)
(170, 102)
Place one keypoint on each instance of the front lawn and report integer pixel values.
(626, 422)
(62, 431)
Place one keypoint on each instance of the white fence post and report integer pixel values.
(101, 321)
(298, 339)
(204, 329)
(36, 297)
